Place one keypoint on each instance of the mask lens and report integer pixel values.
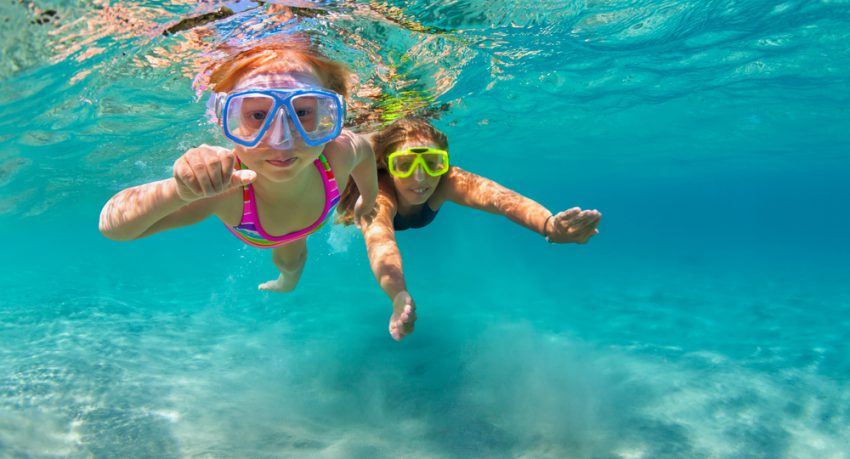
(318, 115)
(247, 115)
(435, 163)
(403, 164)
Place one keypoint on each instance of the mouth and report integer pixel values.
(420, 190)
(282, 162)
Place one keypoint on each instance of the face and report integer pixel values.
(419, 187)
(269, 161)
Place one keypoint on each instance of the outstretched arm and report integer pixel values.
(200, 174)
(385, 261)
(146, 209)
(471, 190)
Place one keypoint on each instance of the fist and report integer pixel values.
(207, 171)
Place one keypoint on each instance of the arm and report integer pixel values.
(147, 209)
(201, 175)
(365, 175)
(384, 256)
(351, 155)
(471, 190)
(385, 260)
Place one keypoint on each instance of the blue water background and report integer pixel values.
(708, 319)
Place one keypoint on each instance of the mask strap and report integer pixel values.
(215, 105)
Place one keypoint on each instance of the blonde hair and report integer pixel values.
(384, 142)
(224, 74)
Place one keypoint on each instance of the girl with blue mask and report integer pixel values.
(282, 108)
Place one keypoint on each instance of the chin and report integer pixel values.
(417, 199)
(282, 174)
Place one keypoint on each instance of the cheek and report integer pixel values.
(399, 183)
(309, 152)
(241, 153)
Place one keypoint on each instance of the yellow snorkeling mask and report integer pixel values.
(403, 163)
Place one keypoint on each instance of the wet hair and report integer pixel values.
(384, 142)
(224, 74)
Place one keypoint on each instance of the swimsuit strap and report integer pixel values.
(251, 231)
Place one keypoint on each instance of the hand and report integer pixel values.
(404, 315)
(364, 212)
(573, 225)
(207, 171)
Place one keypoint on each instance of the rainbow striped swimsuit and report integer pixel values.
(251, 231)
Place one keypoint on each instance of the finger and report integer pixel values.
(582, 234)
(228, 165)
(242, 177)
(593, 217)
(569, 227)
(594, 220)
(586, 235)
(568, 214)
(183, 171)
(199, 168)
(396, 330)
(566, 217)
(582, 237)
(213, 165)
(584, 220)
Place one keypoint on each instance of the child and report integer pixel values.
(282, 107)
(415, 179)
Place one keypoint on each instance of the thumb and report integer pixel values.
(242, 177)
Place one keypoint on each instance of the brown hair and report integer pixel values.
(224, 74)
(384, 142)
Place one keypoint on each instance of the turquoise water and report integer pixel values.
(708, 319)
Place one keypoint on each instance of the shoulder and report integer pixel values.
(455, 181)
(344, 151)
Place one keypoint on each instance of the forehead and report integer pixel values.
(290, 77)
(418, 141)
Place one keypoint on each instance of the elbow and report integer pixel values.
(111, 231)
(113, 234)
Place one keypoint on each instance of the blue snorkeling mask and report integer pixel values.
(252, 115)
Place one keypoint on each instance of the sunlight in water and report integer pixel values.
(707, 319)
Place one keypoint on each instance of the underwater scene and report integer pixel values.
(708, 318)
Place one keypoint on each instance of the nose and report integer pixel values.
(419, 174)
(279, 136)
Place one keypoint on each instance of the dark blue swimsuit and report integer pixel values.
(426, 215)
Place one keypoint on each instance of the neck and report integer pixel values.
(405, 207)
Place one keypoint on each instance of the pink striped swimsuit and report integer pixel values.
(251, 231)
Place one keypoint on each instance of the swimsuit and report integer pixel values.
(251, 231)
(424, 217)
